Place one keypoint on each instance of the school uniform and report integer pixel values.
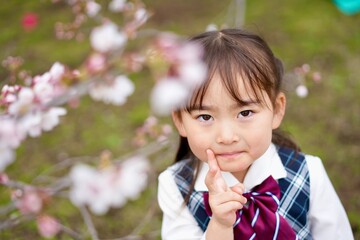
(308, 201)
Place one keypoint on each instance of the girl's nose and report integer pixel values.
(227, 134)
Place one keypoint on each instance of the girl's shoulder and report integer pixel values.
(180, 166)
(175, 168)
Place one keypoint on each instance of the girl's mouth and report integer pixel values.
(229, 155)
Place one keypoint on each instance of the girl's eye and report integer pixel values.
(246, 113)
(204, 117)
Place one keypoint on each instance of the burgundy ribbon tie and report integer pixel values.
(259, 218)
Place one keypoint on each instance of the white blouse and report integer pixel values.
(327, 217)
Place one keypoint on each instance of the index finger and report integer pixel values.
(214, 180)
(213, 164)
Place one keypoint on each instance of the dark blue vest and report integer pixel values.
(295, 192)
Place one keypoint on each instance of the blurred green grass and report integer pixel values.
(326, 123)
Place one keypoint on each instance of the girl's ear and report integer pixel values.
(279, 110)
(176, 117)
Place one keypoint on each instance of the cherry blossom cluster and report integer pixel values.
(108, 187)
(302, 75)
(26, 111)
(150, 130)
(38, 103)
(185, 71)
(84, 10)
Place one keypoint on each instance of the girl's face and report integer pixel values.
(237, 134)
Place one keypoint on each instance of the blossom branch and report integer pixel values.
(89, 224)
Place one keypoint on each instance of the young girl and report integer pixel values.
(236, 176)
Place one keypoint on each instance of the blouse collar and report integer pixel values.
(268, 164)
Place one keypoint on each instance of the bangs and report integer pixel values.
(233, 59)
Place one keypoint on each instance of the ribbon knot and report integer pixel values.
(259, 219)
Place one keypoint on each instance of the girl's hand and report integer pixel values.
(224, 201)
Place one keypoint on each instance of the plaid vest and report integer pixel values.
(295, 192)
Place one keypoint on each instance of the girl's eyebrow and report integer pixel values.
(242, 103)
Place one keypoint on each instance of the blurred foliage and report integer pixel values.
(326, 123)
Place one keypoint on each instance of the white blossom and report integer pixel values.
(211, 27)
(192, 73)
(47, 86)
(134, 173)
(7, 156)
(10, 134)
(167, 95)
(109, 187)
(115, 93)
(92, 8)
(31, 123)
(56, 71)
(35, 122)
(141, 16)
(23, 103)
(107, 38)
(50, 118)
(117, 5)
(302, 91)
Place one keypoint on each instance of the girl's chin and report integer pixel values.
(234, 167)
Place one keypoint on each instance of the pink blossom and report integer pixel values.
(167, 129)
(107, 38)
(29, 21)
(9, 94)
(4, 179)
(316, 77)
(134, 62)
(96, 63)
(115, 93)
(168, 45)
(48, 226)
(30, 202)
(306, 68)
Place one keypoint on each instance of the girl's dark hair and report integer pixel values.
(231, 53)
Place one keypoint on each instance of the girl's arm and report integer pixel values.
(328, 219)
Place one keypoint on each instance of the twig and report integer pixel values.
(89, 224)
(8, 208)
(71, 233)
(15, 221)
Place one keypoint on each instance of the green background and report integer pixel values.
(326, 123)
